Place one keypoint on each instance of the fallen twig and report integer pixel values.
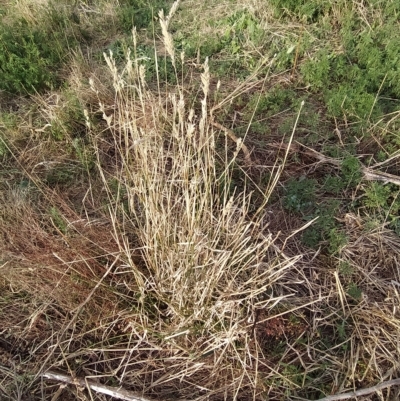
(118, 393)
(364, 391)
(373, 175)
(237, 140)
(369, 173)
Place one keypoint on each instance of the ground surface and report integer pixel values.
(202, 208)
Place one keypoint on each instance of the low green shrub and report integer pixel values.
(360, 79)
(300, 195)
(27, 62)
(309, 11)
(31, 54)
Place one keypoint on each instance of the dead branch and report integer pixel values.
(237, 140)
(369, 173)
(118, 393)
(372, 175)
(364, 391)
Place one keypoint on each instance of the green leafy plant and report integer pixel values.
(357, 82)
(84, 153)
(62, 174)
(300, 195)
(325, 228)
(58, 220)
(377, 196)
(345, 268)
(66, 119)
(315, 71)
(383, 201)
(272, 102)
(351, 171)
(228, 50)
(242, 26)
(309, 11)
(337, 239)
(333, 184)
(354, 292)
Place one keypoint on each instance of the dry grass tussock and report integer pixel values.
(158, 275)
(205, 265)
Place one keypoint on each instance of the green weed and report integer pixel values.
(333, 184)
(139, 13)
(337, 239)
(345, 268)
(358, 81)
(294, 374)
(383, 202)
(377, 196)
(354, 292)
(62, 174)
(119, 49)
(351, 172)
(325, 231)
(25, 63)
(300, 195)
(230, 48)
(67, 119)
(58, 220)
(84, 153)
(309, 11)
(316, 71)
(274, 101)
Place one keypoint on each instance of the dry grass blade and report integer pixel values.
(238, 141)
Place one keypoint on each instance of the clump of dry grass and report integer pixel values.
(205, 265)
